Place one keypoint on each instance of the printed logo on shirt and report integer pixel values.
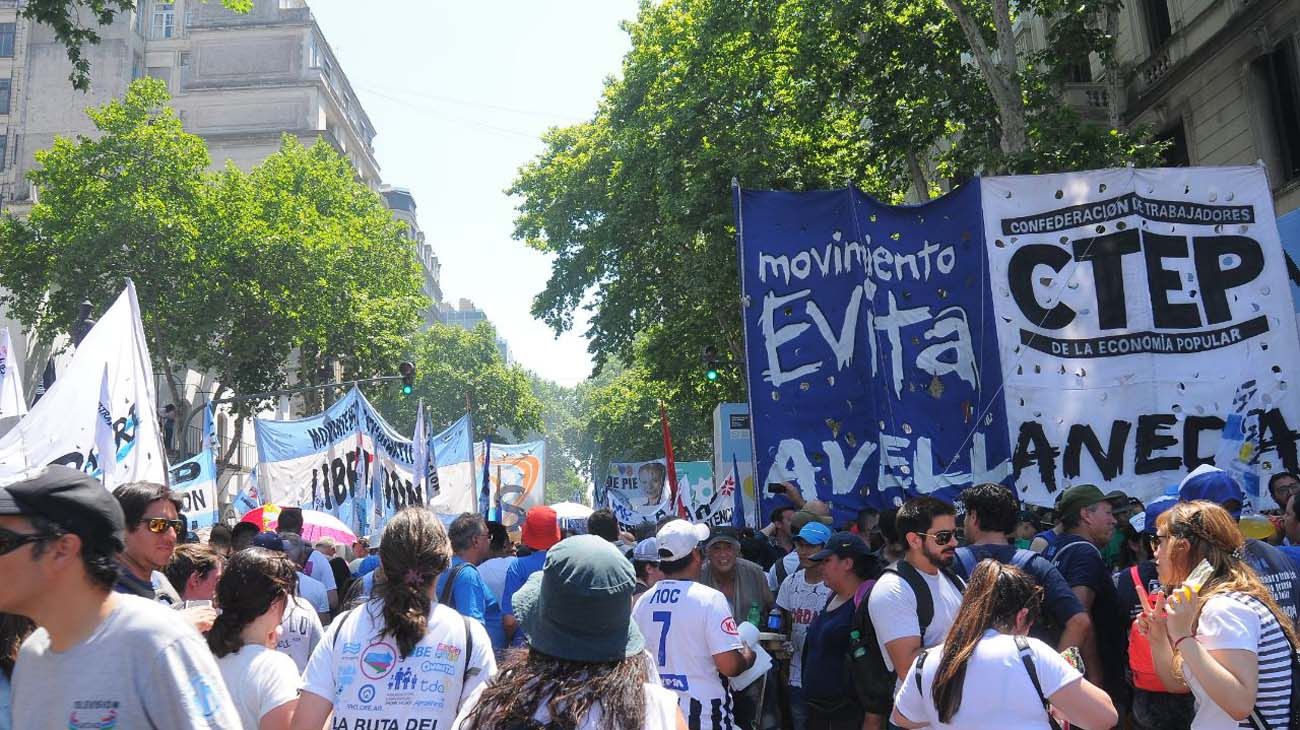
(404, 679)
(93, 715)
(446, 668)
(347, 675)
(351, 649)
(675, 681)
(366, 693)
(204, 697)
(378, 660)
(450, 652)
(729, 626)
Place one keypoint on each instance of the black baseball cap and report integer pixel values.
(842, 545)
(70, 499)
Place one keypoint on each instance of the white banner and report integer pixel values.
(1136, 310)
(60, 429)
(517, 479)
(12, 401)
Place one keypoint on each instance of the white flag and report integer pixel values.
(105, 441)
(61, 428)
(420, 446)
(12, 401)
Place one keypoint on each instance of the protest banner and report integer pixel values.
(516, 477)
(13, 402)
(1039, 331)
(637, 491)
(61, 427)
(194, 482)
(453, 453)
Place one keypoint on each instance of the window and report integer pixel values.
(1156, 14)
(4, 151)
(1277, 80)
(7, 40)
(5, 85)
(137, 67)
(1176, 154)
(164, 20)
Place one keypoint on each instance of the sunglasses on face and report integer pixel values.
(159, 525)
(11, 541)
(942, 537)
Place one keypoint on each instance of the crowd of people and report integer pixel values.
(984, 613)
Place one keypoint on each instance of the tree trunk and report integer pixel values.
(1114, 81)
(1001, 75)
(229, 452)
(919, 183)
(177, 392)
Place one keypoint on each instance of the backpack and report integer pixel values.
(1026, 657)
(447, 597)
(870, 681)
(966, 556)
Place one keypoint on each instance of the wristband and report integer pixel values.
(1181, 640)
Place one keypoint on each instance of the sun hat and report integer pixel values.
(678, 538)
(541, 528)
(579, 605)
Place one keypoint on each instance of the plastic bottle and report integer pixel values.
(754, 617)
(774, 620)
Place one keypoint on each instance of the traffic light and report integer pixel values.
(711, 363)
(407, 371)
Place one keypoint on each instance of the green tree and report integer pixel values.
(562, 429)
(235, 271)
(453, 365)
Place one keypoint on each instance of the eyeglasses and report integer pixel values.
(942, 537)
(1157, 540)
(11, 541)
(159, 525)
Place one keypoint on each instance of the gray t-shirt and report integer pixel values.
(144, 666)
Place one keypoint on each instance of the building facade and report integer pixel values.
(402, 203)
(467, 317)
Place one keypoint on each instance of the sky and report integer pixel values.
(459, 94)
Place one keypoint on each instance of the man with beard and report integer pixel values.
(928, 528)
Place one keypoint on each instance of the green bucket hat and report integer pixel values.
(579, 605)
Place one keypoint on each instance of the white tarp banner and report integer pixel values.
(12, 400)
(1136, 311)
(517, 477)
(60, 428)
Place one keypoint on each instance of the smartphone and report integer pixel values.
(775, 488)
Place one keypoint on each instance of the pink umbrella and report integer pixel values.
(315, 525)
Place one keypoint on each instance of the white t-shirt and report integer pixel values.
(803, 601)
(493, 573)
(660, 711)
(685, 624)
(997, 692)
(318, 567)
(360, 671)
(314, 591)
(892, 607)
(791, 563)
(1235, 621)
(300, 631)
(259, 681)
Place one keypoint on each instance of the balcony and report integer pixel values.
(1090, 100)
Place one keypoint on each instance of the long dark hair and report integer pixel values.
(413, 552)
(14, 630)
(253, 581)
(569, 689)
(993, 598)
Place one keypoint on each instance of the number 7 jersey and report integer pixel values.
(685, 624)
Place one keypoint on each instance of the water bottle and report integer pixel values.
(753, 617)
(774, 620)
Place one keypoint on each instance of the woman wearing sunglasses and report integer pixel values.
(1229, 642)
(252, 592)
(988, 673)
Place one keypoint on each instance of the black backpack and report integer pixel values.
(870, 681)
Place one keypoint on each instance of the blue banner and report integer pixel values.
(874, 370)
(194, 482)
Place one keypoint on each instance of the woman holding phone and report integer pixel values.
(1219, 632)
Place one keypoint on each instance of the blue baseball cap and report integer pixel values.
(843, 545)
(269, 541)
(814, 533)
(1213, 485)
(1145, 521)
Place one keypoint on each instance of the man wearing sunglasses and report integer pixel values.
(98, 658)
(928, 528)
(152, 531)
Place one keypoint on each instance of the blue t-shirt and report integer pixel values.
(1050, 536)
(1082, 565)
(1059, 601)
(367, 565)
(1276, 571)
(1292, 552)
(471, 597)
(516, 575)
(6, 704)
(824, 648)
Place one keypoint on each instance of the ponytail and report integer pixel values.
(253, 581)
(413, 552)
(993, 599)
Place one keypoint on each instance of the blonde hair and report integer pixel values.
(1210, 534)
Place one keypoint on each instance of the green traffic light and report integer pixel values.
(711, 375)
(406, 390)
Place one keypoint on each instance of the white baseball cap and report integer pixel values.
(678, 538)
